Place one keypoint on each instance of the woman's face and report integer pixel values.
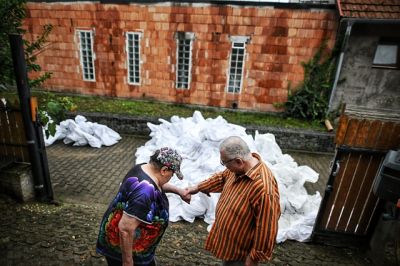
(167, 174)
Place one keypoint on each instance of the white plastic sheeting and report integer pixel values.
(197, 140)
(80, 132)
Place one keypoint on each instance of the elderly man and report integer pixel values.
(247, 213)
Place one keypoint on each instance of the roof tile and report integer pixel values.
(373, 9)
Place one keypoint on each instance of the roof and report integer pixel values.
(369, 9)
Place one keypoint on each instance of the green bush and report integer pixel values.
(55, 108)
(310, 99)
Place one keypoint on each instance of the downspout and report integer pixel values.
(339, 65)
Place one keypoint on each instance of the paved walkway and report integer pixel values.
(84, 181)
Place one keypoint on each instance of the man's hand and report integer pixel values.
(250, 262)
(193, 190)
(185, 195)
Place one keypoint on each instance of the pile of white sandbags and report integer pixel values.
(197, 140)
(80, 132)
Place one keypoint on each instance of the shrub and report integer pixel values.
(310, 99)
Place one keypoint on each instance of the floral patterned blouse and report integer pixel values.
(138, 197)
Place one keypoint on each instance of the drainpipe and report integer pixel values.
(18, 57)
(339, 65)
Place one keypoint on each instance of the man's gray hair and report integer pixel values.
(235, 147)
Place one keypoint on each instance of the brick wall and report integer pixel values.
(279, 40)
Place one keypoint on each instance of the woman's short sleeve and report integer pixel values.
(140, 198)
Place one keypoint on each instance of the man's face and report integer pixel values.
(233, 164)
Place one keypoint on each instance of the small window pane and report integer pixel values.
(386, 54)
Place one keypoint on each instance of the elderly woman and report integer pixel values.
(136, 219)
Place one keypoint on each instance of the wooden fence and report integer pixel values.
(13, 146)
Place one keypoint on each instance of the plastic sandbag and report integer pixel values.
(80, 132)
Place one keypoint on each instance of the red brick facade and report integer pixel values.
(279, 40)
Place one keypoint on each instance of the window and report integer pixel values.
(133, 54)
(86, 54)
(184, 59)
(387, 54)
(236, 64)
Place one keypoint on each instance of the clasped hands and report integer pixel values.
(186, 193)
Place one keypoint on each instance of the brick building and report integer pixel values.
(214, 53)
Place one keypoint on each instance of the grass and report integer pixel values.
(166, 110)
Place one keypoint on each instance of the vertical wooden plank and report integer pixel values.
(384, 140)
(350, 191)
(22, 137)
(373, 134)
(7, 135)
(351, 133)
(3, 129)
(362, 134)
(17, 129)
(396, 137)
(367, 214)
(341, 131)
(7, 152)
(370, 167)
(13, 135)
(336, 199)
(342, 190)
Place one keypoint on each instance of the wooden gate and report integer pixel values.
(349, 209)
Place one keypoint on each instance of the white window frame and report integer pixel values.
(133, 59)
(238, 46)
(186, 60)
(87, 60)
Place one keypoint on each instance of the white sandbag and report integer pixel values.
(79, 137)
(107, 136)
(80, 132)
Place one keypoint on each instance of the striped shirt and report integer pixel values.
(246, 214)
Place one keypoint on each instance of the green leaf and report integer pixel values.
(53, 108)
(51, 127)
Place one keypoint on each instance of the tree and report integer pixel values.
(12, 13)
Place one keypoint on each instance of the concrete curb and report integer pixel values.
(292, 139)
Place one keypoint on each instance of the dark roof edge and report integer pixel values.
(370, 20)
(237, 3)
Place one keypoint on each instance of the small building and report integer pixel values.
(233, 54)
(368, 73)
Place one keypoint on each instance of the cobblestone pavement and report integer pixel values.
(85, 179)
